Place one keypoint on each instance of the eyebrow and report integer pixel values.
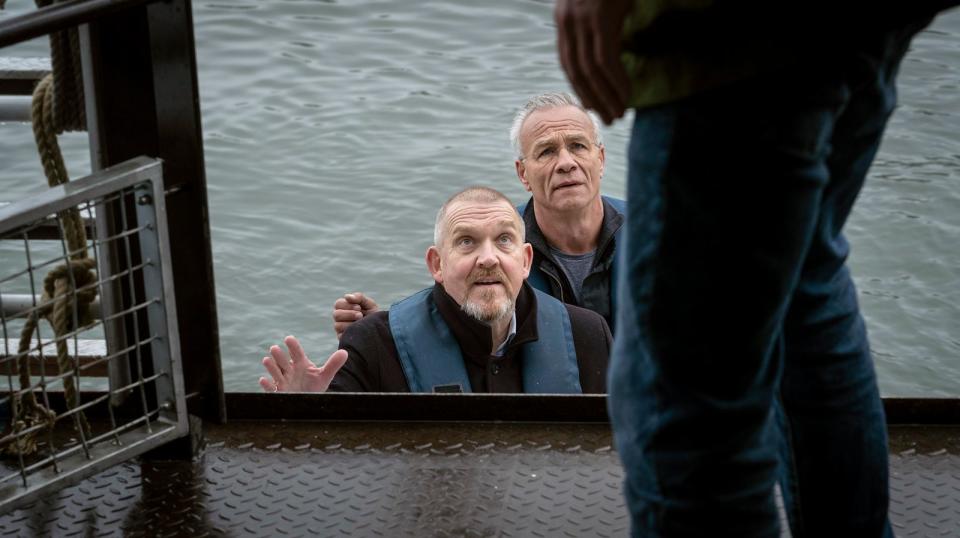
(461, 229)
(552, 140)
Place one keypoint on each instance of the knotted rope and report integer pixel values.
(59, 300)
(68, 289)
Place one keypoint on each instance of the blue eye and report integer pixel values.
(545, 153)
(464, 242)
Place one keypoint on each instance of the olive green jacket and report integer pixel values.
(661, 72)
(673, 49)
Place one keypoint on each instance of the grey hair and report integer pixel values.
(475, 193)
(545, 101)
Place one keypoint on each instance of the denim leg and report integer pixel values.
(730, 199)
(829, 389)
(722, 203)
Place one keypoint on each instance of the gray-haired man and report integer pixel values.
(573, 229)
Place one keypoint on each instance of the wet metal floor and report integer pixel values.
(419, 479)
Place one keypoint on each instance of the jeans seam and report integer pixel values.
(795, 507)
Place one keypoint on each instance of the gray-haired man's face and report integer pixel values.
(561, 166)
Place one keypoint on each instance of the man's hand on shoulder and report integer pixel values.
(588, 40)
(350, 308)
(296, 373)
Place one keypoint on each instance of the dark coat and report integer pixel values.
(598, 286)
(374, 365)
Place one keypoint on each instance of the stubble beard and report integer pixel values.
(488, 308)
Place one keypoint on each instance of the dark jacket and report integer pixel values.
(374, 366)
(598, 292)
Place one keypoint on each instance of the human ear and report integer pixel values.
(521, 173)
(433, 264)
(527, 259)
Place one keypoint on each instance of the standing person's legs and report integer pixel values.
(722, 203)
(835, 422)
(727, 194)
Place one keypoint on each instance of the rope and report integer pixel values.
(68, 107)
(69, 289)
(57, 306)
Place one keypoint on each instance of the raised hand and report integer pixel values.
(588, 40)
(295, 373)
(350, 308)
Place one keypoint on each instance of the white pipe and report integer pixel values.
(15, 303)
(15, 108)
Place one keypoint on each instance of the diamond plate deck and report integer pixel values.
(419, 479)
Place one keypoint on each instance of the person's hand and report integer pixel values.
(588, 40)
(296, 373)
(350, 308)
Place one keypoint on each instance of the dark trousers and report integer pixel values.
(741, 359)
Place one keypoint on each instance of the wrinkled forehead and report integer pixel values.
(557, 121)
(469, 215)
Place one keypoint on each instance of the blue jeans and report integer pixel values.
(741, 359)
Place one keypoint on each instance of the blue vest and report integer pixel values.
(431, 357)
(541, 281)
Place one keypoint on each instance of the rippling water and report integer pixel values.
(334, 130)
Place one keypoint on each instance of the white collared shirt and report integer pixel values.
(510, 334)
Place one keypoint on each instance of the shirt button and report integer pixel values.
(495, 369)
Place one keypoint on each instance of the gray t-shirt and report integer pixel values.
(575, 266)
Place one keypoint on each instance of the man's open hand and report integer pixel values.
(295, 373)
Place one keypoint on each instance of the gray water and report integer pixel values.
(334, 130)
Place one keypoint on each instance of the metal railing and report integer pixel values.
(15, 303)
(144, 404)
(15, 109)
(58, 17)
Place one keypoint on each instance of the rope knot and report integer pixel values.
(59, 296)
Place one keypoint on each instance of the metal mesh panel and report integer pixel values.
(88, 328)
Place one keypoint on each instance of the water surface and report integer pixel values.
(334, 130)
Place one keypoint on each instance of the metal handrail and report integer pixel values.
(57, 17)
(15, 109)
(15, 304)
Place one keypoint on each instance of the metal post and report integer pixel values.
(141, 85)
